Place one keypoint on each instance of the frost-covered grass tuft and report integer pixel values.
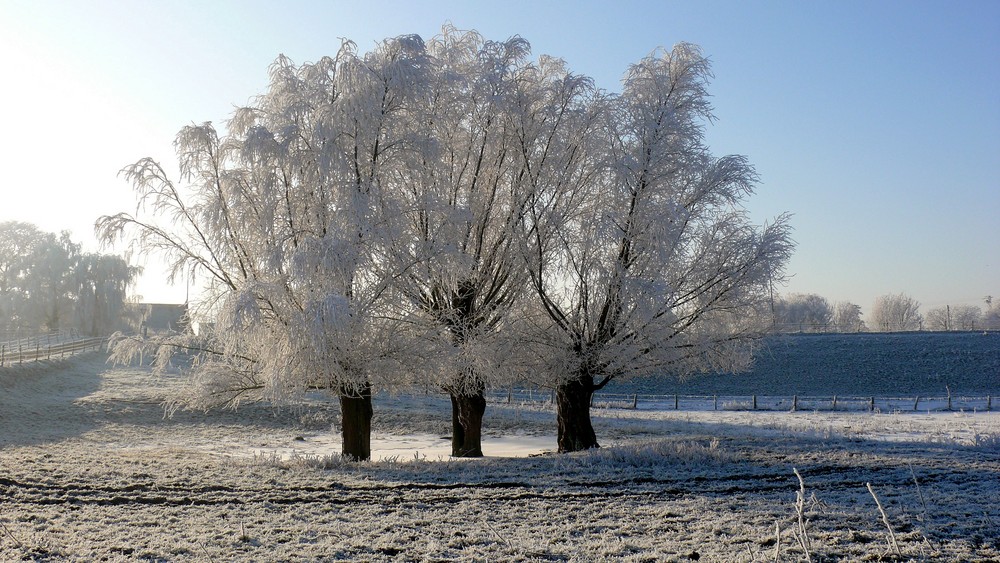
(986, 442)
(299, 460)
(648, 453)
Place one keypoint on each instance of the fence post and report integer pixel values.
(635, 401)
(3, 352)
(20, 354)
(949, 396)
(916, 403)
(510, 392)
(715, 399)
(795, 403)
(834, 402)
(755, 402)
(871, 404)
(989, 401)
(676, 402)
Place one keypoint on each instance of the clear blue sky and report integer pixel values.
(876, 123)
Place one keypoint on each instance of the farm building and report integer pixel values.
(163, 317)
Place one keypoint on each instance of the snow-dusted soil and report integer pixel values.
(91, 470)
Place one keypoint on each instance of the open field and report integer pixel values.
(91, 470)
(906, 364)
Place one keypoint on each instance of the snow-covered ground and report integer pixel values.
(90, 469)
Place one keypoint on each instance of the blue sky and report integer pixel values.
(877, 124)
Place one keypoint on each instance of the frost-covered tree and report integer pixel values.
(938, 319)
(463, 194)
(959, 317)
(967, 317)
(403, 201)
(18, 242)
(287, 218)
(894, 313)
(640, 253)
(101, 285)
(47, 284)
(847, 317)
(800, 312)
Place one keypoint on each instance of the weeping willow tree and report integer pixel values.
(286, 220)
(48, 284)
(464, 194)
(650, 266)
(101, 283)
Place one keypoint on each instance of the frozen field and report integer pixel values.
(90, 470)
(907, 364)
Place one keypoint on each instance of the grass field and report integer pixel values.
(91, 470)
(879, 364)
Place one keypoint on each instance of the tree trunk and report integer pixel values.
(573, 415)
(467, 423)
(356, 423)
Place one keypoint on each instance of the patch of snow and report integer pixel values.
(407, 447)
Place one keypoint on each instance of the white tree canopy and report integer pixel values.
(895, 312)
(287, 217)
(847, 317)
(803, 312)
(650, 264)
(461, 194)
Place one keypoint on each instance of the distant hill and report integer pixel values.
(895, 364)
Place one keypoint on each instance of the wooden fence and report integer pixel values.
(42, 348)
(759, 402)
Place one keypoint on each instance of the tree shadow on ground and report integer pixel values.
(38, 399)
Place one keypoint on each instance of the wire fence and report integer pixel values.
(845, 403)
(66, 343)
(50, 346)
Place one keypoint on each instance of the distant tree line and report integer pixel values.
(799, 312)
(48, 284)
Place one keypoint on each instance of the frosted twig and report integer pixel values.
(501, 538)
(16, 541)
(207, 554)
(919, 492)
(885, 520)
(777, 540)
(800, 509)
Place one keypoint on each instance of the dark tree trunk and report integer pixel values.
(467, 411)
(573, 415)
(356, 423)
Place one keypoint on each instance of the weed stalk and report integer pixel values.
(800, 509)
(885, 520)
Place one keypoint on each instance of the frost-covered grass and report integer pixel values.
(911, 364)
(90, 469)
